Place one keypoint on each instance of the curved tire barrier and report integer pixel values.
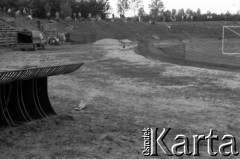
(173, 52)
(24, 93)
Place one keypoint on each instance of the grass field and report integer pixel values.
(195, 52)
(210, 51)
(124, 92)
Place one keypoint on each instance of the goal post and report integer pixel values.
(231, 40)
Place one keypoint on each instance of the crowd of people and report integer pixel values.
(76, 16)
(17, 12)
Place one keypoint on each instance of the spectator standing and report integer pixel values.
(17, 13)
(40, 26)
(89, 16)
(208, 17)
(164, 18)
(24, 11)
(80, 15)
(57, 16)
(188, 16)
(98, 17)
(48, 15)
(13, 12)
(9, 10)
(74, 16)
(30, 12)
(191, 17)
(29, 17)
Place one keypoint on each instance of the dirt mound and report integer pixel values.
(108, 42)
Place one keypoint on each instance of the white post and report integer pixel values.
(223, 40)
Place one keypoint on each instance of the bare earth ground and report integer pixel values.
(124, 93)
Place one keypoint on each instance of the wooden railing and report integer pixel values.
(8, 35)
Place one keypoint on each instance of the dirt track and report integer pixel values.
(124, 93)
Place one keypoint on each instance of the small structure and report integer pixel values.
(8, 34)
(24, 94)
(54, 37)
(30, 40)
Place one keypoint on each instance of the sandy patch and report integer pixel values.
(229, 83)
(176, 70)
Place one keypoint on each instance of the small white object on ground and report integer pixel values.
(81, 106)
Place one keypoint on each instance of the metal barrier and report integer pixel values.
(24, 93)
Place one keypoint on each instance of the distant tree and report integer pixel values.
(37, 8)
(238, 12)
(228, 13)
(167, 15)
(174, 15)
(174, 12)
(135, 5)
(181, 13)
(141, 12)
(103, 8)
(98, 7)
(199, 13)
(228, 16)
(156, 8)
(189, 13)
(20, 4)
(47, 8)
(209, 12)
(3, 3)
(55, 5)
(65, 9)
(123, 6)
(194, 15)
(7, 3)
(95, 7)
(82, 7)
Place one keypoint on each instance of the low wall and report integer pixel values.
(166, 51)
(203, 54)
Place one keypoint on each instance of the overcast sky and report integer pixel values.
(217, 6)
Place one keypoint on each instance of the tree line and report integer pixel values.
(65, 8)
(190, 15)
(68, 8)
(158, 12)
